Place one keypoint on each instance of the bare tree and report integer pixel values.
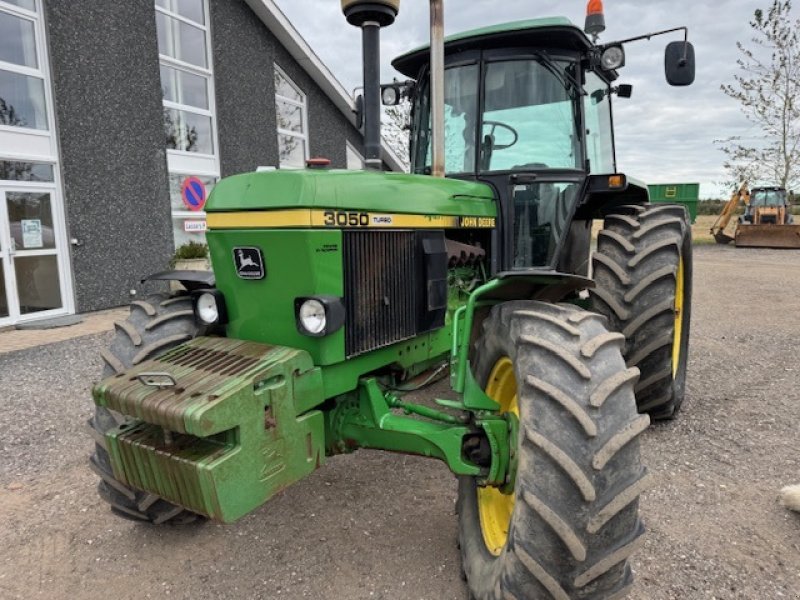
(396, 131)
(767, 86)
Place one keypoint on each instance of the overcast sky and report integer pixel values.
(664, 134)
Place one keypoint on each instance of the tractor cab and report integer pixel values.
(528, 111)
(768, 206)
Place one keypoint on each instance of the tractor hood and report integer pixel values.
(350, 190)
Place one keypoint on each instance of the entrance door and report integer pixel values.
(31, 281)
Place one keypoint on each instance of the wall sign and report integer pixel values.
(192, 226)
(193, 193)
(32, 233)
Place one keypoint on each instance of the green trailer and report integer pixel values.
(676, 193)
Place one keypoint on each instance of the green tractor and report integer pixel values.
(334, 293)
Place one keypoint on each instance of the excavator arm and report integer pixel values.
(724, 219)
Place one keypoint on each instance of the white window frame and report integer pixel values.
(303, 105)
(179, 161)
(21, 144)
(25, 140)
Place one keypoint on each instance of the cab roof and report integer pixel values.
(550, 32)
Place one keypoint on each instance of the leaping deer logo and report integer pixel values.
(246, 261)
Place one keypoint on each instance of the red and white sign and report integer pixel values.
(193, 193)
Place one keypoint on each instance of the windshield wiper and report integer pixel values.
(566, 79)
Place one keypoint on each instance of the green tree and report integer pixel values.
(767, 86)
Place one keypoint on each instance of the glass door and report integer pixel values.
(5, 260)
(32, 279)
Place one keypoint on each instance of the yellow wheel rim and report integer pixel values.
(494, 506)
(676, 342)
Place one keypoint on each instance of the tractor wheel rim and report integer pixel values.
(676, 342)
(494, 507)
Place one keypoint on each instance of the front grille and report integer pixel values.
(380, 278)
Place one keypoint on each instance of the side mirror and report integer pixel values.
(679, 63)
(358, 111)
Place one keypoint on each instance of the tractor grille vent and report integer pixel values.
(380, 270)
(221, 363)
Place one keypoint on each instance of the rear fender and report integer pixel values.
(601, 199)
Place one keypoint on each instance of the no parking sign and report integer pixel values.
(193, 193)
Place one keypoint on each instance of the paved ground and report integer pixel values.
(13, 340)
(375, 526)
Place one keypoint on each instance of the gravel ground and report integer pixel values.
(377, 526)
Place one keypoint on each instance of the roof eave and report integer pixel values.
(298, 48)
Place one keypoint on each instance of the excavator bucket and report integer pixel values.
(768, 236)
(721, 237)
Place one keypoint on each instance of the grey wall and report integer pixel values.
(244, 52)
(104, 60)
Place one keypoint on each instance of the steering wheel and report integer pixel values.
(495, 125)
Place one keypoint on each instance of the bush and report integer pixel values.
(189, 251)
(714, 207)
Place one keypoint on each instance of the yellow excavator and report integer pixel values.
(766, 223)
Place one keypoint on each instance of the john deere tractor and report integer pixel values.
(334, 293)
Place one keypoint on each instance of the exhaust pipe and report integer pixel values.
(370, 16)
(437, 88)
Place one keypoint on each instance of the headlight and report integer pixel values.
(319, 316)
(613, 58)
(390, 96)
(312, 317)
(209, 307)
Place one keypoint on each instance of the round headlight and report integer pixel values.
(390, 96)
(312, 316)
(613, 58)
(207, 309)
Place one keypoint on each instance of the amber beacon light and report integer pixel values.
(595, 19)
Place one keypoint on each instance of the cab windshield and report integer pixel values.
(528, 119)
(768, 198)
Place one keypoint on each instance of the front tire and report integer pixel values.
(574, 519)
(155, 324)
(643, 275)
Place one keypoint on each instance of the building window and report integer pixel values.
(190, 129)
(355, 162)
(23, 102)
(34, 261)
(292, 118)
(186, 76)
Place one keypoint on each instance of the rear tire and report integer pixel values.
(575, 517)
(638, 276)
(155, 325)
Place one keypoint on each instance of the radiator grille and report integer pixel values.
(380, 279)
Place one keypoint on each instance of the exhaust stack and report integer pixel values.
(370, 16)
(437, 88)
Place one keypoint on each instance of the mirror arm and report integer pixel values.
(648, 36)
